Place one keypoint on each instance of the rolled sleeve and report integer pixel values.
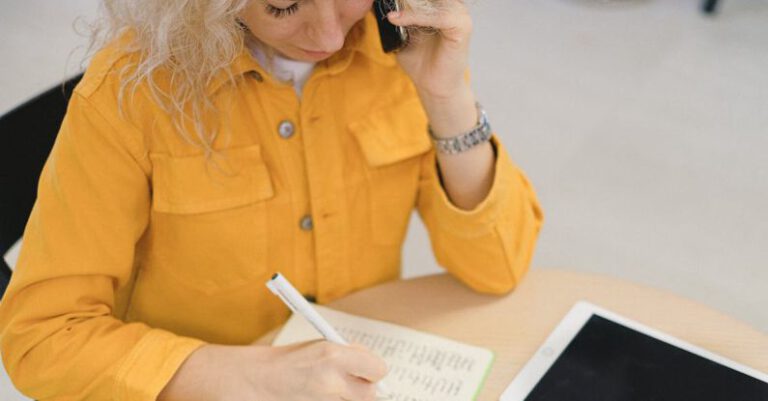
(490, 247)
(158, 352)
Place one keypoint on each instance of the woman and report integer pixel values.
(212, 143)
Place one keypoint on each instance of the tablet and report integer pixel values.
(597, 355)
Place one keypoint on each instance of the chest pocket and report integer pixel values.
(390, 140)
(208, 228)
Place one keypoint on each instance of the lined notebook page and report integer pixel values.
(422, 367)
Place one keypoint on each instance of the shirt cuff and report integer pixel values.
(481, 219)
(152, 364)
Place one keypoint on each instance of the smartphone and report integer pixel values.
(393, 37)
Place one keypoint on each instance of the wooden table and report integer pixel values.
(514, 326)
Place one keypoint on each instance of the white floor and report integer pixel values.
(643, 125)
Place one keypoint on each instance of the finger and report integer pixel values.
(362, 363)
(450, 19)
(358, 389)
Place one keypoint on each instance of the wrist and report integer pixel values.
(450, 116)
(188, 382)
(216, 372)
(446, 95)
(479, 134)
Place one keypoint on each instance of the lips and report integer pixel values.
(315, 53)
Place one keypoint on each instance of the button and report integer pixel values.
(256, 75)
(285, 129)
(306, 223)
(310, 298)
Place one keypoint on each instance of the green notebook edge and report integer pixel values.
(485, 375)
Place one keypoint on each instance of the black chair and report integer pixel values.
(709, 6)
(27, 133)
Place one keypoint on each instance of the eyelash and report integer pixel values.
(282, 12)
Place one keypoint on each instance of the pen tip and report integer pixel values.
(274, 276)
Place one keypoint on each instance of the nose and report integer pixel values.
(326, 31)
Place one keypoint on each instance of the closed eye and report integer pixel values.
(278, 12)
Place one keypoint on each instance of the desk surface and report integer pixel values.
(514, 326)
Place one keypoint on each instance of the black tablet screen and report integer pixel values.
(609, 362)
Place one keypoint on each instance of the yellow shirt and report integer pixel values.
(138, 251)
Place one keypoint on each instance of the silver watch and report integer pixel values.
(480, 133)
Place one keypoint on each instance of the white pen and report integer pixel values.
(281, 287)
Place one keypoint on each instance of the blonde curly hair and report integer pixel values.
(193, 40)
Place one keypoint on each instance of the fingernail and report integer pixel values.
(394, 14)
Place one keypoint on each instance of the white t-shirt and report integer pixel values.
(296, 72)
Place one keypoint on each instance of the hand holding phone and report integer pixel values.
(438, 36)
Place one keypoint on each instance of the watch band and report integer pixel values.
(480, 133)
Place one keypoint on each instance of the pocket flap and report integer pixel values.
(197, 184)
(393, 133)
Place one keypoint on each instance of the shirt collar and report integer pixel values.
(362, 39)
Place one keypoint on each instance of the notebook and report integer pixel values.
(422, 366)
